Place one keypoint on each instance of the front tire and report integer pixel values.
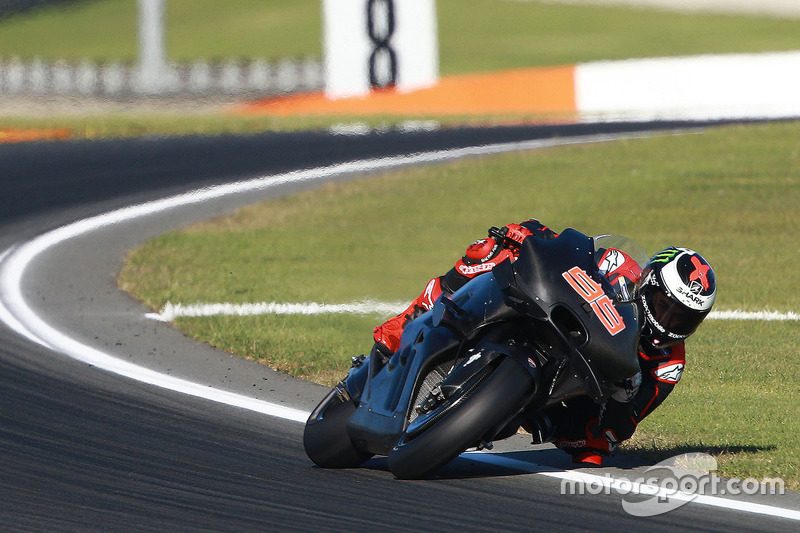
(463, 421)
(325, 438)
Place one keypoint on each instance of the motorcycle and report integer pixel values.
(509, 344)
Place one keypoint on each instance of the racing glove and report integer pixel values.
(484, 254)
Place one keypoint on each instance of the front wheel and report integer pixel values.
(325, 438)
(462, 421)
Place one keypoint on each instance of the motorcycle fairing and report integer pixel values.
(535, 285)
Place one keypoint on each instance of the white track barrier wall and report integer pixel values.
(379, 43)
(699, 87)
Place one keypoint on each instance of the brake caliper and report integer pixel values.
(434, 398)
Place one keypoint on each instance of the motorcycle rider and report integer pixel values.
(676, 290)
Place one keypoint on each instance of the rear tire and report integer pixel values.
(325, 438)
(462, 422)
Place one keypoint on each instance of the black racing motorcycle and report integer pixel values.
(509, 344)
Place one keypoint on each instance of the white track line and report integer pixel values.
(367, 307)
(625, 486)
(20, 317)
(172, 311)
(769, 316)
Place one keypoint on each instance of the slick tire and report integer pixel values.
(467, 420)
(325, 438)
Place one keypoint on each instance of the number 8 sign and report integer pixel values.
(379, 44)
(592, 292)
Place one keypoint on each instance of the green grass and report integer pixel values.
(737, 400)
(731, 193)
(475, 35)
(99, 30)
(120, 124)
(486, 35)
(244, 28)
(209, 29)
(102, 123)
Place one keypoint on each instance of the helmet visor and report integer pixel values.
(674, 317)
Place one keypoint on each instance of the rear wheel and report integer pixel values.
(462, 420)
(325, 438)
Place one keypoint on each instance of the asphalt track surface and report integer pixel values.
(85, 449)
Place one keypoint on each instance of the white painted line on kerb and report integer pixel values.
(18, 315)
(172, 311)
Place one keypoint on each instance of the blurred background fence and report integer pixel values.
(252, 77)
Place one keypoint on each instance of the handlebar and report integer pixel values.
(500, 235)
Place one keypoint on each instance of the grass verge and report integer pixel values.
(101, 121)
(731, 193)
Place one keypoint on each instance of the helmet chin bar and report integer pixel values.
(654, 339)
(653, 332)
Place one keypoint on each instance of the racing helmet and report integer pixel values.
(677, 290)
